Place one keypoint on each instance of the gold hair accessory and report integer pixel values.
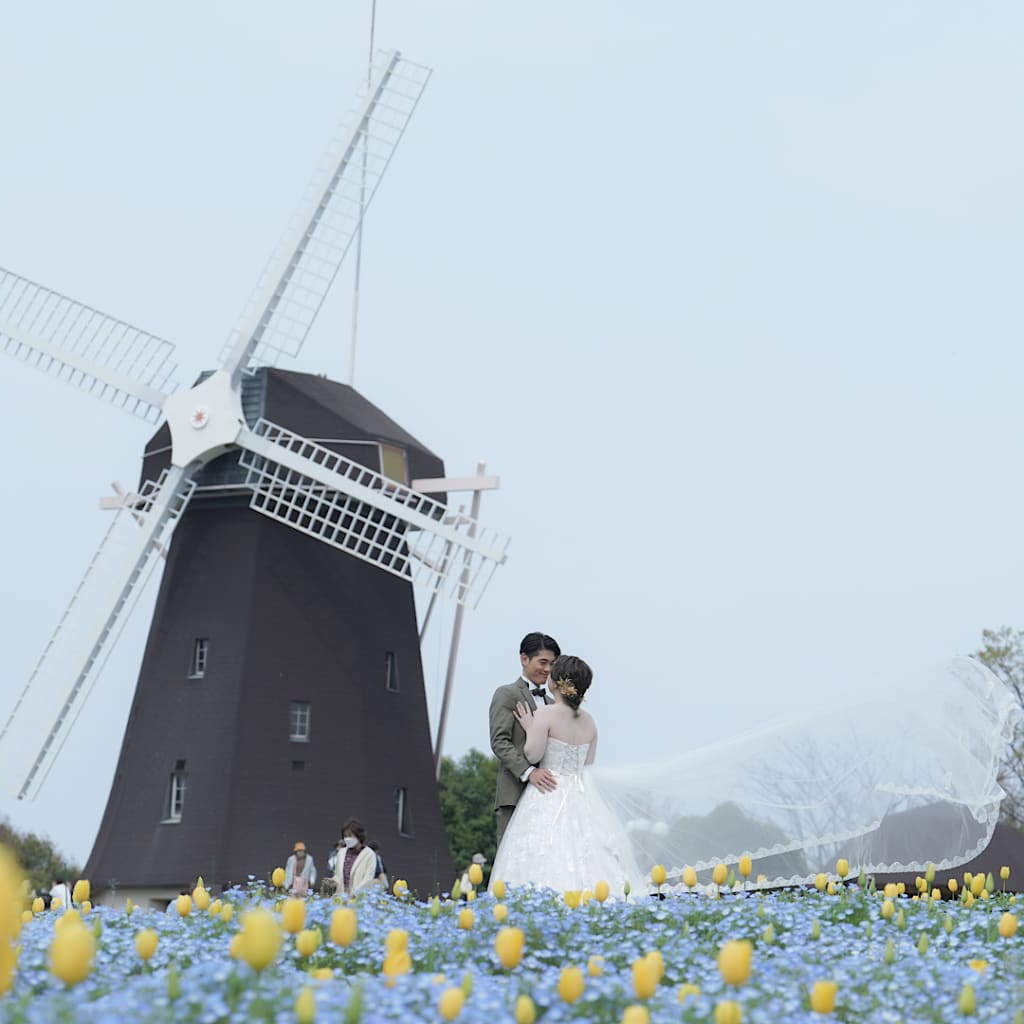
(566, 686)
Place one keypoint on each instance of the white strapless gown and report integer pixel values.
(567, 839)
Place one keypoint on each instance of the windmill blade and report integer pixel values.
(106, 357)
(357, 510)
(304, 264)
(64, 675)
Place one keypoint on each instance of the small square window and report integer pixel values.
(391, 671)
(404, 812)
(298, 721)
(200, 652)
(392, 464)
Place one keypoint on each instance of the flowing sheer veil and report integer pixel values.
(889, 786)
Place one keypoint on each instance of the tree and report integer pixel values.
(466, 789)
(42, 863)
(1002, 651)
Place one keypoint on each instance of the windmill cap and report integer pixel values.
(479, 858)
(299, 848)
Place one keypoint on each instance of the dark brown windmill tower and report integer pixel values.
(281, 688)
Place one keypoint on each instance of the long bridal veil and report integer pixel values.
(890, 786)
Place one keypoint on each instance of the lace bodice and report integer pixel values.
(564, 758)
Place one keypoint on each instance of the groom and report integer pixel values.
(537, 652)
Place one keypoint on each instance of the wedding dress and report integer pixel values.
(891, 783)
(566, 839)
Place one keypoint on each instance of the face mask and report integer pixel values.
(350, 841)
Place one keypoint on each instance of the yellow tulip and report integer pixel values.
(509, 947)
(56, 903)
(306, 942)
(466, 919)
(888, 909)
(71, 953)
(570, 984)
(500, 912)
(978, 965)
(214, 908)
(261, 938)
(728, 1012)
(891, 890)
(305, 1006)
(595, 966)
(525, 1012)
(953, 885)
(823, 996)
(658, 874)
(745, 866)
(636, 1014)
(81, 891)
(1008, 925)
(735, 960)
(977, 884)
(967, 1003)
(831, 889)
(452, 999)
(235, 946)
(146, 943)
(689, 876)
(277, 878)
(323, 974)
(343, 926)
(645, 978)
(227, 912)
(38, 905)
(719, 874)
(396, 940)
(401, 888)
(201, 897)
(820, 881)
(293, 916)
(601, 891)
(815, 929)
(572, 898)
(688, 989)
(498, 888)
(476, 874)
(1004, 872)
(842, 867)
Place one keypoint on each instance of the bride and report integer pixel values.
(892, 782)
(566, 839)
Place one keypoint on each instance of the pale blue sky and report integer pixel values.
(727, 294)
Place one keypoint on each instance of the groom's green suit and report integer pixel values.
(507, 741)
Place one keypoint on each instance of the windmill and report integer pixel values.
(281, 688)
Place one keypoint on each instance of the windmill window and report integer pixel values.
(298, 719)
(392, 464)
(391, 671)
(200, 651)
(176, 793)
(404, 812)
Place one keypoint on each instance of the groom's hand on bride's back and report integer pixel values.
(543, 780)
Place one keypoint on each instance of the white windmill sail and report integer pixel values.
(305, 262)
(344, 504)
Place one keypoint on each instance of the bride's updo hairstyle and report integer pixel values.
(573, 677)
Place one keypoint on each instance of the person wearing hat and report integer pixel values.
(299, 872)
(466, 883)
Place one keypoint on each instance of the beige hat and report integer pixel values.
(479, 858)
(299, 848)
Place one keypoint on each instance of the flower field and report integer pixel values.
(851, 954)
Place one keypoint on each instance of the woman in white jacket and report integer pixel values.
(356, 868)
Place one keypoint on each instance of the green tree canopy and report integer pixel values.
(1002, 651)
(42, 863)
(467, 804)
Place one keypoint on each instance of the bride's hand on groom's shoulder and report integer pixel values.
(524, 716)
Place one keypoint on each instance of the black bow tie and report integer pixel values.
(539, 693)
